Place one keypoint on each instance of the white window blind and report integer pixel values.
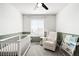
(37, 27)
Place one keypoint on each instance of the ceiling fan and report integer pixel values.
(41, 4)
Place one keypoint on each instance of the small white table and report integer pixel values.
(43, 39)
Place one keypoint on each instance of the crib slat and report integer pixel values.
(10, 50)
(5, 54)
(16, 49)
(13, 48)
(1, 49)
(7, 50)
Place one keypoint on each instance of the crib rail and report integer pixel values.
(25, 45)
(14, 46)
(9, 46)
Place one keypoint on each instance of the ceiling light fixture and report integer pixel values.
(41, 4)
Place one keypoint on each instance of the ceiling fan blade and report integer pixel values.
(44, 6)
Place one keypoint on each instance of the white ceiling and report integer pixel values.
(29, 8)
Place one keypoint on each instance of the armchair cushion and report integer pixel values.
(49, 45)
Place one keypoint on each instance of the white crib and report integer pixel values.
(14, 47)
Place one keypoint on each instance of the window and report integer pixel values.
(37, 27)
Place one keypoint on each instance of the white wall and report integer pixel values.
(49, 22)
(68, 19)
(26, 24)
(10, 19)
